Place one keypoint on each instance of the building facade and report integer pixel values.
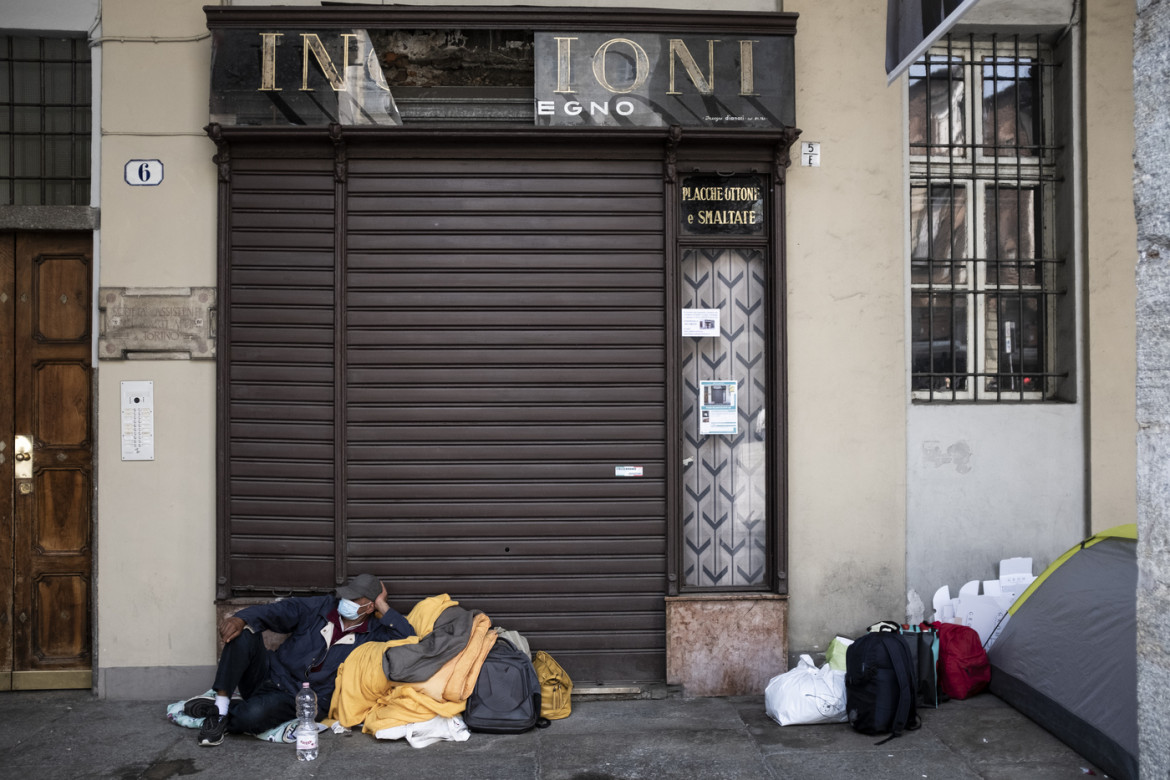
(676, 340)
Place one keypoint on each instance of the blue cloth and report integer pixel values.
(282, 732)
(304, 655)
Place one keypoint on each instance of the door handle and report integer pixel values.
(24, 457)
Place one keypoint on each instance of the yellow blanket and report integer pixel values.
(364, 695)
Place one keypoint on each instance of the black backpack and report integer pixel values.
(881, 686)
(506, 698)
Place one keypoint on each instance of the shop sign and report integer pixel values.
(317, 77)
(711, 204)
(659, 79)
(298, 77)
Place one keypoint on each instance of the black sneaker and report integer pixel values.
(212, 730)
(200, 707)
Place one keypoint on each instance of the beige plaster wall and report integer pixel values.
(156, 528)
(156, 520)
(846, 299)
(1111, 262)
(847, 369)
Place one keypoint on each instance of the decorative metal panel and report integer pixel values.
(724, 481)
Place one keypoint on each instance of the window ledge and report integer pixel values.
(49, 218)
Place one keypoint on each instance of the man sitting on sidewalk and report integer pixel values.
(322, 630)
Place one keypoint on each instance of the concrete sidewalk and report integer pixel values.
(71, 734)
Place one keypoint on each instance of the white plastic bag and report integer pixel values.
(428, 732)
(806, 695)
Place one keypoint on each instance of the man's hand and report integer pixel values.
(380, 603)
(230, 628)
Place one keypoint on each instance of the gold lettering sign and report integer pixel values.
(641, 66)
(705, 84)
(663, 79)
(564, 65)
(747, 68)
(268, 62)
(615, 78)
(720, 205)
(312, 43)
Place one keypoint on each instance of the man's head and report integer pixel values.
(358, 596)
(363, 586)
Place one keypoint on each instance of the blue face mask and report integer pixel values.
(348, 609)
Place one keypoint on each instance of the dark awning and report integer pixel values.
(912, 26)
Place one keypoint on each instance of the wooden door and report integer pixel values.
(45, 409)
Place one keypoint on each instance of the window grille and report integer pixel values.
(44, 121)
(985, 276)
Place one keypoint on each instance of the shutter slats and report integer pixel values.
(504, 354)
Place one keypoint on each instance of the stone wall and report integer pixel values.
(1152, 202)
(725, 644)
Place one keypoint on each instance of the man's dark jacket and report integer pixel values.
(303, 654)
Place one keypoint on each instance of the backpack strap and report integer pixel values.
(905, 687)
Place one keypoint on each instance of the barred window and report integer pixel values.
(985, 277)
(44, 121)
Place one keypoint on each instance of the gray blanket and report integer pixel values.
(418, 662)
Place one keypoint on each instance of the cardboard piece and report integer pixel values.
(1016, 571)
(944, 608)
(984, 611)
(1015, 575)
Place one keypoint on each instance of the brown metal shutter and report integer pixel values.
(277, 376)
(503, 353)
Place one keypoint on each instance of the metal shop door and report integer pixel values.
(449, 369)
(47, 447)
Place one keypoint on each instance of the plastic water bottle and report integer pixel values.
(307, 727)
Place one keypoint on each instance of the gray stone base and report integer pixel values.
(162, 683)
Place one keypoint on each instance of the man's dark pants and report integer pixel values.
(244, 664)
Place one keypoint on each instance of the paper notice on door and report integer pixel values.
(718, 409)
(700, 323)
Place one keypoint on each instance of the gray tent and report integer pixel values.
(1066, 653)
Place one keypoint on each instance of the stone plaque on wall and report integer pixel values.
(156, 323)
